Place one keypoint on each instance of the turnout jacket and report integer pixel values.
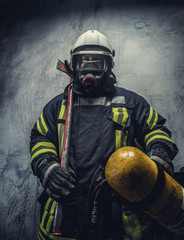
(100, 126)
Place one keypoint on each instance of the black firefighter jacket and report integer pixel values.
(100, 126)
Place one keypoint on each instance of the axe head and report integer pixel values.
(62, 67)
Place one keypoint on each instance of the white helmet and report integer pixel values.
(93, 42)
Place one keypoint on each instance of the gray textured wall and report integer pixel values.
(149, 43)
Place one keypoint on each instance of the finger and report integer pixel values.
(53, 195)
(55, 188)
(56, 197)
(71, 172)
(65, 174)
(63, 182)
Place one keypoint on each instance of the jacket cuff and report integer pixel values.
(44, 167)
(167, 167)
(48, 172)
(160, 155)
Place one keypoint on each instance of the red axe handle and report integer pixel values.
(57, 228)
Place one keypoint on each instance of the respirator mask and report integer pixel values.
(90, 69)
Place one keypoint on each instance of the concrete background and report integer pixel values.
(148, 37)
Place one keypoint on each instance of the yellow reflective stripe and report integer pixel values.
(40, 237)
(47, 203)
(116, 114)
(157, 134)
(43, 217)
(42, 147)
(53, 207)
(125, 218)
(60, 137)
(120, 115)
(51, 217)
(152, 119)
(46, 209)
(61, 128)
(121, 137)
(155, 121)
(44, 144)
(125, 139)
(125, 116)
(156, 131)
(133, 228)
(138, 230)
(118, 139)
(159, 137)
(49, 223)
(39, 128)
(137, 222)
(150, 116)
(48, 215)
(43, 123)
(62, 112)
(41, 151)
(126, 223)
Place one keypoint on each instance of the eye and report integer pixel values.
(85, 58)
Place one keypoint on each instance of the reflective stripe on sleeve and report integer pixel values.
(152, 119)
(42, 147)
(41, 125)
(157, 134)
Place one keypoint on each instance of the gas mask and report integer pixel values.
(90, 69)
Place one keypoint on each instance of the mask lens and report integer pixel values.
(91, 63)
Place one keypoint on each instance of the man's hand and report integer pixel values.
(160, 156)
(57, 181)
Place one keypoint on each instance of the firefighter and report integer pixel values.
(105, 118)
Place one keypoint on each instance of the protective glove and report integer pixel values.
(56, 180)
(161, 157)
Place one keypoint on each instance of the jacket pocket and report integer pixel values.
(121, 117)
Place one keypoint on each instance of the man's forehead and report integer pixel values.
(92, 55)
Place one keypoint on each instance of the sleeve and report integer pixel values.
(151, 132)
(43, 143)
